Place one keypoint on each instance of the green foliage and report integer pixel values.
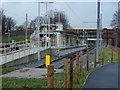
(23, 83)
(7, 70)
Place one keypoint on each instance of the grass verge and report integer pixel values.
(42, 83)
(5, 38)
(107, 55)
(8, 69)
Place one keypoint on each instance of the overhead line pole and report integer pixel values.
(98, 29)
(38, 31)
(48, 19)
(26, 25)
(100, 32)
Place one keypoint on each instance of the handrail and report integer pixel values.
(21, 45)
(68, 55)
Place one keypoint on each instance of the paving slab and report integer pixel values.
(30, 73)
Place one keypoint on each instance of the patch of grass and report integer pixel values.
(82, 78)
(42, 83)
(59, 78)
(8, 69)
(19, 37)
(107, 55)
(23, 83)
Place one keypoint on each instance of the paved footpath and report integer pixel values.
(103, 77)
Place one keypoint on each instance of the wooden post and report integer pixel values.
(87, 62)
(65, 73)
(77, 67)
(71, 73)
(81, 58)
(111, 55)
(95, 58)
(50, 77)
(47, 52)
(102, 56)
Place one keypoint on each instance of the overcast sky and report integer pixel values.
(77, 12)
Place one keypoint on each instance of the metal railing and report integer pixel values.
(9, 48)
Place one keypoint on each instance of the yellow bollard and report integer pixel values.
(47, 60)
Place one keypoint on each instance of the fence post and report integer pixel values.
(81, 58)
(102, 56)
(71, 73)
(95, 58)
(65, 73)
(87, 62)
(77, 67)
(50, 77)
(111, 55)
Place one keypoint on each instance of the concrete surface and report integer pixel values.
(30, 73)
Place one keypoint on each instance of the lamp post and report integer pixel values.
(48, 18)
(86, 34)
(9, 36)
(38, 31)
(26, 26)
(83, 36)
(98, 29)
(88, 22)
(100, 34)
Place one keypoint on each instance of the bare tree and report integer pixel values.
(54, 17)
(7, 23)
(10, 23)
(114, 20)
(115, 23)
(60, 16)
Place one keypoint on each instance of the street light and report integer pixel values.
(26, 26)
(38, 31)
(9, 36)
(98, 28)
(100, 34)
(86, 33)
(48, 19)
(83, 36)
(88, 22)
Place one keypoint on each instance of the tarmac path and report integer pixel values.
(103, 77)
